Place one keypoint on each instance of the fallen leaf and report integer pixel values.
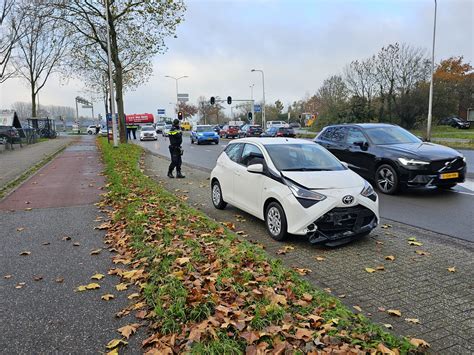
(115, 342)
(182, 261)
(419, 342)
(25, 253)
(19, 229)
(97, 277)
(421, 252)
(133, 295)
(412, 239)
(412, 320)
(386, 226)
(285, 249)
(107, 297)
(390, 257)
(76, 244)
(128, 330)
(452, 269)
(380, 268)
(96, 251)
(66, 238)
(28, 209)
(370, 270)
(20, 285)
(92, 286)
(388, 325)
(81, 288)
(302, 271)
(121, 286)
(38, 278)
(385, 351)
(46, 243)
(320, 258)
(357, 308)
(7, 277)
(394, 312)
(342, 296)
(418, 244)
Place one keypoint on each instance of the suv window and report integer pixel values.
(249, 153)
(233, 151)
(354, 135)
(336, 134)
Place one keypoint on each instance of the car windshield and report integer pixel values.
(168, 126)
(160, 124)
(204, 129)
(148, 128)
(302, 157)
(391, 135)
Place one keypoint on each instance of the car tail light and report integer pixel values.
(279, 134)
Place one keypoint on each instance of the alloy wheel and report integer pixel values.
(216, 194)
(274, 221)
(385, 179)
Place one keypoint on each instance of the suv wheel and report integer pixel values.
(386, 179)
(216, 195)
(275, 220)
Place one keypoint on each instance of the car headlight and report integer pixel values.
(199, 134)
(412, 162)
(301, 192)
(368, 191)
(464, 159)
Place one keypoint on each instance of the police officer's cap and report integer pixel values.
(176, 122)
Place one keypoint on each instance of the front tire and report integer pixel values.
(216, 196)
(275, 221)
(386, 179)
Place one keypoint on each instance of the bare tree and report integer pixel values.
(209, 113)
(361, 79)
(40, 50)
(10, 32)
(139, 24)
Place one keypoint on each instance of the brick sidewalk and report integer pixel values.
(15, 162)
(420, 286)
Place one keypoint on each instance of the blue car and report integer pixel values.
(204, 134)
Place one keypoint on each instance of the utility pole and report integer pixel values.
(430, 103)
(111, 81)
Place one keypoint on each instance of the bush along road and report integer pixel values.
(203, 289)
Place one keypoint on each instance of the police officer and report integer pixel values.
(176, 138)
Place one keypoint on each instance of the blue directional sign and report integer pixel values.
(257, 108)
(161, 111)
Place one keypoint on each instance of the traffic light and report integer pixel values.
(180, 115)
(213, 100)
(229, 100)
(250, 116)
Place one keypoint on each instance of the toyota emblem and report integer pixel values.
(348, 199)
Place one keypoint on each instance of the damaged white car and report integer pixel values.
(297, 187)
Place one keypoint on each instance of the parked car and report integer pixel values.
(9, 134)
(186, 126)
(277, 124)
(296, 187)
(229, 131)
(455, 122)
(103, 131)
(295, 125)
(249, 130)
(279, 132)
(159, 127)
(166, 130)
(204, 134)
(148, 133)
(392, 157)
(91, 129)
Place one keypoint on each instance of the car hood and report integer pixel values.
(339, 179)
(424, 150)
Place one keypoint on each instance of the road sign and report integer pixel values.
(257, 108)
(161, 111)
(183, 97)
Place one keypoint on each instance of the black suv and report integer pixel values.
(455, 122)
(392, 157)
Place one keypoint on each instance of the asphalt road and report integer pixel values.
(446, 212)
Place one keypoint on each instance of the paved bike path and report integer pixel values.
(39, 313)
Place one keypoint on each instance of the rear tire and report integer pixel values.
(275, 221)
(386, 179)
(216, 196)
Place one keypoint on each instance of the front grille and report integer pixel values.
(343, 219)
(453, 164)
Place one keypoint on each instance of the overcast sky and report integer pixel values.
(298, 43)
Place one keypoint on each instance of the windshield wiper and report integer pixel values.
(305, 169)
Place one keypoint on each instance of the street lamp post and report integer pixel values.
(176, 79)
(111, 81)
(252, 109)
(263, 109)
(430, 104)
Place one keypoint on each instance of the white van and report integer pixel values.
(276, 124)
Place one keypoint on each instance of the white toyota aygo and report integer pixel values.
(297, 187)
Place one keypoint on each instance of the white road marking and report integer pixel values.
(469, 185)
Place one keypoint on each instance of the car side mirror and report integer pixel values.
(362, 144)
(421, 138)
(255, 168)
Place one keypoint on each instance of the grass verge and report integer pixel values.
(25, 175)
(203, 290)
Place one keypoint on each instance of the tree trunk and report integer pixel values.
(118, 80)
(33, 101)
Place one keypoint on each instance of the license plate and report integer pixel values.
(209, 139)
(449, 176)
